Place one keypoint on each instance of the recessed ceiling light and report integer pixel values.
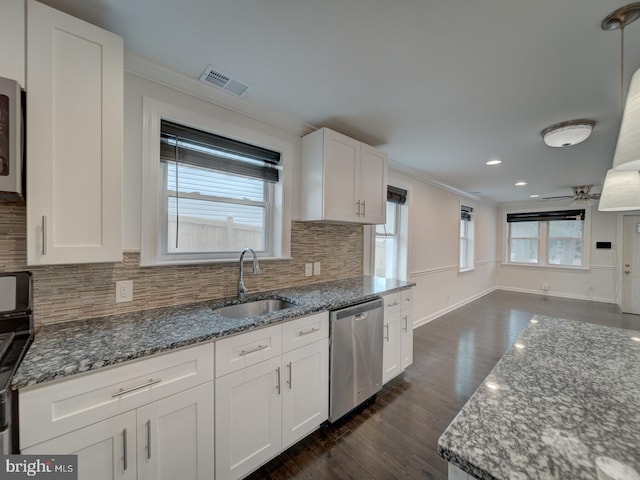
(520, 184)
(494, 162)
(534, 195)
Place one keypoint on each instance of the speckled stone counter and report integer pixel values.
(565, 396)
(64, 349)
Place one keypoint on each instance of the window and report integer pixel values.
(210, 189)
(217, 192)
(389, 244)
(553, 238)
(466, 238)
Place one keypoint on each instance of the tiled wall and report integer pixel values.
(71, 292)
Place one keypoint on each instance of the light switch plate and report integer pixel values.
(316, 268)
(308, 269)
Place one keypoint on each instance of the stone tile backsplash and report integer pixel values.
(72, 292)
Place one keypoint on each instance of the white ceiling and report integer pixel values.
(442, 86)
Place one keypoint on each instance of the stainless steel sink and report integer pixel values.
(252, 309)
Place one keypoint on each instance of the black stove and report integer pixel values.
(16, 335)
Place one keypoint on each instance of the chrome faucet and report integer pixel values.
(242, 290)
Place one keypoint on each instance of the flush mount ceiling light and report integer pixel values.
(568, 133)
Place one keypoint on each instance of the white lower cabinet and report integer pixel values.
(149, 420)
(266, 407)
(168, 439)
(106, 450)
(397, 351)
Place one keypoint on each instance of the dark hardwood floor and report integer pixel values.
(396, 435)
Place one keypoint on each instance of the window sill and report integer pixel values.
(163, 263)
(545, 267)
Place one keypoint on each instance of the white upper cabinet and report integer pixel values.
(74, 140)
(343, 180)
(12, 37)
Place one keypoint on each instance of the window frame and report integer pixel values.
(543, 240)
(468, 238)
(395, 235)
(153, 225)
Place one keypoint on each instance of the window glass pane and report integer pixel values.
(463, 253)
(206, 226)
(385, 257)
(214, 183)
(524, 229)
(391, 225)
(566, 251)
(524, 250)
(565, 228)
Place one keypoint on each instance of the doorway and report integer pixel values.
(631, 264)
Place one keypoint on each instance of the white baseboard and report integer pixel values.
(451, 308)
(573, 296)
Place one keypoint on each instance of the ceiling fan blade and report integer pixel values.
(556, 198)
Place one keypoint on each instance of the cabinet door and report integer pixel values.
(391, 356)
(106, 450)
(12, 36)
(305, 398)
(74, 140)
(406, 343)
(373, 185)
(341, 177)
(248, 418)
(175, 436)
(406, 346)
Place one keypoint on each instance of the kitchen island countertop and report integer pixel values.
(565, 397)
(63, 349)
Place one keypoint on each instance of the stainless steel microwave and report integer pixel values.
(11, 139)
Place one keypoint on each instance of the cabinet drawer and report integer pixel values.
(246, 349)
(51, 410)
(392, 302)
(303, 331)
(407, 299)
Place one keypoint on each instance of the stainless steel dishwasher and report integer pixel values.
(356, 356)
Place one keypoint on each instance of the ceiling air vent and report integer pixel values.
(216, 78)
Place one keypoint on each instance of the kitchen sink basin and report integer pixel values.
(252, 309)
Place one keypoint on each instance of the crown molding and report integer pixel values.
(394, 165)
(148, 69)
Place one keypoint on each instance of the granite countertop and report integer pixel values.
(564, 397)
(65, 349)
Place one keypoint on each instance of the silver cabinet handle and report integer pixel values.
(358, 204)
(290, 382)
(278, 380)
(125, 463)
(253, 350)
(627, 272)
(364, 208)
(302, 333)
(123, 391)
(44, 234)
(386, 337)
(148, 447)
(406, 323)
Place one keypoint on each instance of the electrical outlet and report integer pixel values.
(124, 291)
(308, 269)
(545, 287)
(316, 268)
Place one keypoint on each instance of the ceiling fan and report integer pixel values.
(581, 193)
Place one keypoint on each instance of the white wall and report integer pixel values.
(434, 223)
(599, 282)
